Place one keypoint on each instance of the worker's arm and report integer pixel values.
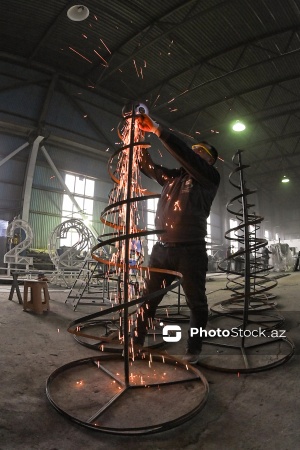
(154, 171)
(197, 167)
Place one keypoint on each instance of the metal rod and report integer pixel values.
(107, 405)
(3, 161)
(127, 250)
(29, 177)
(247, 288)
(244, 354)
(178, 301)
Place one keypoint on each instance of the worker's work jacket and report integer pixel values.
(187, 193)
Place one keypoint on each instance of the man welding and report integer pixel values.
(182, 212)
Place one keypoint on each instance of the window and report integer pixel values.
(151, 211)
(267, 234)
(233, 234)
(208, 237)
(3, 227)
(83, 191)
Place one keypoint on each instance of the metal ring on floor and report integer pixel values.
(91, 392)
(242, 358)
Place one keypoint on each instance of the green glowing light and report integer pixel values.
(285, 179)
(238, 126)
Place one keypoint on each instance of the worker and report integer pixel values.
(228, 258)
(182, 212)
(15, 240)
(239, 261)
(265, 256)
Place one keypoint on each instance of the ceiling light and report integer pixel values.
(285, 179)
(77, 13)
(238, 126)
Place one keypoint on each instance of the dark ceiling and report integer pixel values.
(198, 65)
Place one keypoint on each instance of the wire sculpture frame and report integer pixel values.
(246, 285)
(68, 258)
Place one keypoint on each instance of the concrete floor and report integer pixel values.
(243, 411)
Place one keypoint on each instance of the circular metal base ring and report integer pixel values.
(108, 330)
(173, 313)
(235, 319)
(239, 305)
(92, 392)
(254, 355)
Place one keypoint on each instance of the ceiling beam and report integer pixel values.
(238, 93)
(50, 29)
(47, 101)
(242, 45)
(226, 76)
(76, 80)
(175, 27)
(89, 118)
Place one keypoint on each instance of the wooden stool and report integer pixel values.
(37, 302)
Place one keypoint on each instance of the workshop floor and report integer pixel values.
(247, 411)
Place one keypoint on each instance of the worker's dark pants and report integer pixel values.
(265, 262)
(191, 262)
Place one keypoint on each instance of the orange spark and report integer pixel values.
(156, 100)
(101, 57)
(135, 68)
(75, 51)
(176, 206)
(105, 46)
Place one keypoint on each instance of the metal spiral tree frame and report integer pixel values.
(249, 307)
(110, 389)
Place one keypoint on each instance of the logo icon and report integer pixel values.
(170, 329)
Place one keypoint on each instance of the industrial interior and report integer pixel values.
(77, 224)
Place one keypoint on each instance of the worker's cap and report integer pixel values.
(212, 151)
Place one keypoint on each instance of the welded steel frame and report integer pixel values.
(125, 386)
(246, 295)
(78, 327)
(176, 313)
(84, 291)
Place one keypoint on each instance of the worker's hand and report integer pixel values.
(145, 123)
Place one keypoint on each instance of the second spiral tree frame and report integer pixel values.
(248, 339)
(107, 392)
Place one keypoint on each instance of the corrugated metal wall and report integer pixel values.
(12, 175)
(46, 204)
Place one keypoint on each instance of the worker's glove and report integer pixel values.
(145, 123)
